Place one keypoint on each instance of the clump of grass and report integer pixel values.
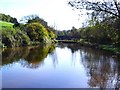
(6, 25)
(110, 48)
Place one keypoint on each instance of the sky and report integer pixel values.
(56, 12)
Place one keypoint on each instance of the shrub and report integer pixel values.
(37, 32)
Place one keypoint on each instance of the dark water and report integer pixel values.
(61, 66)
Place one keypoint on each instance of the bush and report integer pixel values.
(13, 38)
(37, 32)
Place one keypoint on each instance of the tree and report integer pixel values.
(36, 32)
(8, 18)
(98, 7)
(34, 18)
(101, 10)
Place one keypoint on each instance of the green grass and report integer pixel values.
(6, 25)
(110, 48)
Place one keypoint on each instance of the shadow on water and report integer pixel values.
(102, 69)
(30, 57)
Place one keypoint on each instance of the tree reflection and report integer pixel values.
(102, 69)
(30, 57)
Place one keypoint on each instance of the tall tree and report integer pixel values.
(99, 7)
(34, 18)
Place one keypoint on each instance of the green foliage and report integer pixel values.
(37, 32)
(33, 19)
(7, 18)
(7, 25)
(34, 32)
(104, 26)
(73, 34)
(14, 37)
(110, 48)
(102, 33)
(106, 33)
(51, 34)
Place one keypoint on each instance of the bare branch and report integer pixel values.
(107, 7)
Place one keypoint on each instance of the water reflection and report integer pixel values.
(101, 69)
(30, 57)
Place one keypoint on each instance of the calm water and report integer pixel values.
(61, 66)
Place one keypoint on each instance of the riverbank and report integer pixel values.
(110, 48)
(30, 44)
(33, 33)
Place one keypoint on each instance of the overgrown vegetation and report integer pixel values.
(15, 35)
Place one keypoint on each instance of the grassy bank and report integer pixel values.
(29, 34)
(110, 48)
(7, 25)
(33, 31)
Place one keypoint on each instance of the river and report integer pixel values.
(59, 66)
